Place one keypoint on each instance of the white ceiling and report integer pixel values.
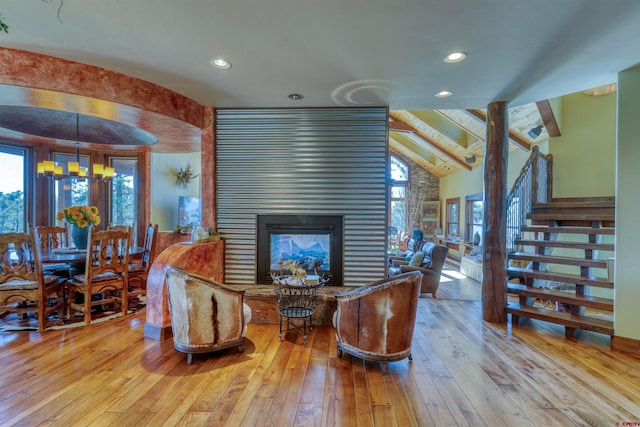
(351, 53)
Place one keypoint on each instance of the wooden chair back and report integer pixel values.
(149, 247)
(51, 236)
(19, 258)
(128, 229)
(107, 254)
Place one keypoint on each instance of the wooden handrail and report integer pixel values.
(537, 175)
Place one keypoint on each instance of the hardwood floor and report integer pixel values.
(464, 372)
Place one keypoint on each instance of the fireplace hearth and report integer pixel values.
(314, 241)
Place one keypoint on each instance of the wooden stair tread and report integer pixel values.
(564, 244)
(552, 259)
(570, 230)
(559, 277)
(571, 216)
(560, 296)
(597, 212)
(567, 319)
(602, 201)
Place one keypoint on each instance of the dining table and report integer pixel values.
(75, 258)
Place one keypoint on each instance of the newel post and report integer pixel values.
(534, 174)
(494, 281)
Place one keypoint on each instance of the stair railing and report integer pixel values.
(533, 185)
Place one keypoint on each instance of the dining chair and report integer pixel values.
(105, 279)
(22, 286)
(50, 237)
(138, 271)
(129, 229)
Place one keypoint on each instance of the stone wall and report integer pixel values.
(425, 181)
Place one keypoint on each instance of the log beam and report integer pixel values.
(515, 137)
(494, 281)
(548, 118)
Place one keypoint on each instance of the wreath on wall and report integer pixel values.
(184, 176)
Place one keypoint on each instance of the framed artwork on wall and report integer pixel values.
(430, 217)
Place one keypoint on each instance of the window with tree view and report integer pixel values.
(124, 191)
(398, 196)
(475, 213)
(12, 189)
(453, 217)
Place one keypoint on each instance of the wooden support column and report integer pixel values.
(494, 281)
(208, 169)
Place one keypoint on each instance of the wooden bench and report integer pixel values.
(262, 300)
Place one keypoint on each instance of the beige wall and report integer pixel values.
(165, 192)
(584, 157)
(627, 271)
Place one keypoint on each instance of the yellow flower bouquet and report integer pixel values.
(82, 216)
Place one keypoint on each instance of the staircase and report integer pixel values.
(564, 244)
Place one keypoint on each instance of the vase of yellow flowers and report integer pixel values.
(80, 218)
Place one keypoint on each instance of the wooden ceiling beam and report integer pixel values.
(399, 126)
(403, 126)
(548, 118)
(408, 153)
(514, 136)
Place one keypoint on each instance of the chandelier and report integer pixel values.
(49, 168)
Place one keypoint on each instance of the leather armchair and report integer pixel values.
(431, 267)
(205, 316)
(376, 321)
(413, 246)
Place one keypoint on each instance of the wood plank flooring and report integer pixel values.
(465, 372)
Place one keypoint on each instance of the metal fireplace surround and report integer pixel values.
(283, 224)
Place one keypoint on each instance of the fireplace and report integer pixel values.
(315, 241)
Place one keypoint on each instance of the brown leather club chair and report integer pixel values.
(375, 322)
(205, 316)
(430, 266)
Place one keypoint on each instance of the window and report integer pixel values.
(474, 209)
(453, 217)
(124, 192)
(12, 189)
(398, 196)
(70, 191)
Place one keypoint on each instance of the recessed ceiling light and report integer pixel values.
(454, 57)
(295, 96)
(444, 94)
(221, 64)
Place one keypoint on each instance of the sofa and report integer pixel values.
(471, 264)
(428, 260)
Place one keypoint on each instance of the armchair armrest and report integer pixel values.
(399, 262)
(403, 256)
(426, 271)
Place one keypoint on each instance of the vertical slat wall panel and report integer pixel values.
(317, 161)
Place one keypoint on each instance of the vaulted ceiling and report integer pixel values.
(447, 141)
